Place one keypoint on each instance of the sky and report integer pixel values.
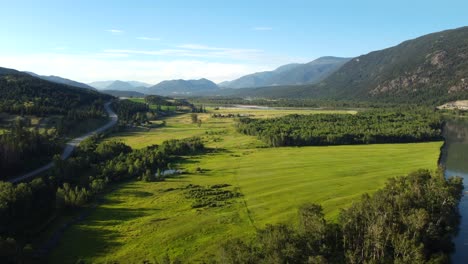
(152, 41)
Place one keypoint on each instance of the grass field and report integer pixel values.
(152, 106)
(144, 221)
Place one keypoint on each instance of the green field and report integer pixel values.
(153, 106)
(144, 221)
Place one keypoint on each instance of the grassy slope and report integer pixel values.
(143, 221)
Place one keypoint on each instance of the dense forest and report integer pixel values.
(27, 95)
(341, 129)
(21, 143)
(289, 102)
(411, 220)
(134, 113)
(23, 146)
(73, 183)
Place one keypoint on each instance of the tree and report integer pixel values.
(194, 118)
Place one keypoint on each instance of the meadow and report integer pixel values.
(147, 220)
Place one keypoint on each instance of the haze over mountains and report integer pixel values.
(57, 79)
(290, 74)
(432, 68)
(183, 87)
(118, 85)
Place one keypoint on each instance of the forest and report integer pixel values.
(21, 143)
(74, 183)
(411, 220)
(26, 95)
(366, 127)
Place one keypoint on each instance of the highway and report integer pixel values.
(71, 145)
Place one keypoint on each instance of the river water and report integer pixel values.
(455, 159)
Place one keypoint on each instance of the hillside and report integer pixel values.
(120, 85)
(23, 93)
(430, 69)
(290, 74)
(58, 79)
(183, 87)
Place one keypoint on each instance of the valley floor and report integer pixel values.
(145, 221)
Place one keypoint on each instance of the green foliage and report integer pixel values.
(131, 112)
(336, 129)
(20, 147)
(194, 118)
(24, 94)
(158, 100)
(68, 197)
(411, 220)
(25, 205)
(213, 196)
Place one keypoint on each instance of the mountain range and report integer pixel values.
(183, 87)
(290, 74)
(429, 69)
(118, 85)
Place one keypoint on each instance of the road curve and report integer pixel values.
(71, 145)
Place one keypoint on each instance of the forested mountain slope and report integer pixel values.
(290, 74)
(61, 80)
(22, 93)
(430, 69)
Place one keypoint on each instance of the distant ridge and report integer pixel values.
(290, 74)
(183, 87)
(118, 85)
(431, 69)
(57, 79)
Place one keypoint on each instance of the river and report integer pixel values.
(455, 159)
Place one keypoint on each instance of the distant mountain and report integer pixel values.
(290, 74)
(183, 87)
(57, 79)
(139, 84)
(119, 85)
(431, 69)
(100, 84)
(118, 93)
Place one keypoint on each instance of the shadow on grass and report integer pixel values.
(136, 194)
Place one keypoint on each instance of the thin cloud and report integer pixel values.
(262, 28)
(115, 31)
(148, 38)
(92, 67)
(196, 50)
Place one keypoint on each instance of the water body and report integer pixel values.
(455, 159)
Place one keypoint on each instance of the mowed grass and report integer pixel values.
(144, 221)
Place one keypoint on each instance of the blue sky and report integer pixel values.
(221, 40)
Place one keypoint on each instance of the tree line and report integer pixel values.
(413, 219)
(26, 207)
(378, 126)
(20, 143)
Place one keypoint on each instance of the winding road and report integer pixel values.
(71, 145)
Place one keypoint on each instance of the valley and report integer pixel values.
(145, 221)
(235, 132)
